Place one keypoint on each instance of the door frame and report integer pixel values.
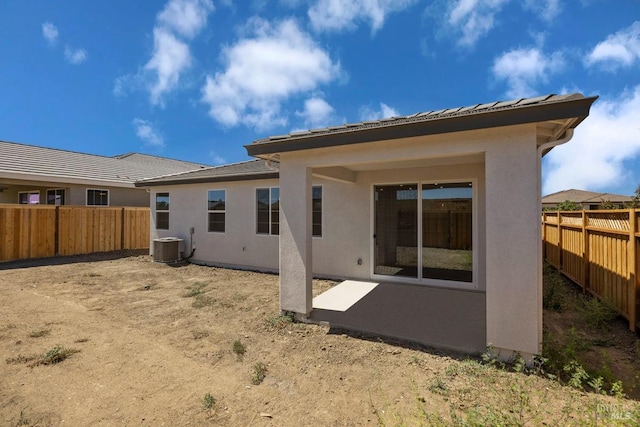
(473, 285)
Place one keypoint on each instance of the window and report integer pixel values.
(97, 197)
(216, 210)
(55, 197)
(317, 212)
(29, 197)
(268, 211)
(162, 211)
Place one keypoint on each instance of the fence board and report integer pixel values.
(38, 231)
(600, 251)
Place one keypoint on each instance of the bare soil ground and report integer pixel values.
(152, 341)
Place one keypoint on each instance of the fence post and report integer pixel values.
(122, 219)
(585, 251)
(560, 267)
(633, 273)
(544, 236)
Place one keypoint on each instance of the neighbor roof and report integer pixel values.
(574, 107)
(248, 170)
(30, 162)
(582, 196)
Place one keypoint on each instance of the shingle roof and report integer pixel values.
(492, 114)
(42, 162)
(582, 196)
(248, 170)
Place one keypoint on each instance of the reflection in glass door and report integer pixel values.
(396, 230)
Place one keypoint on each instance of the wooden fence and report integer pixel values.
(38, 231)
(600, 251)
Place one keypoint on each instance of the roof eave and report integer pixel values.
(573, 108)
(212, 179)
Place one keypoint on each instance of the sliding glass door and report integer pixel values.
(439, 246)
(396, 230)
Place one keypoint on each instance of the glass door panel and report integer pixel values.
(447, 231)
(396, 230)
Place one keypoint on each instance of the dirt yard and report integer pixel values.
(151, 344)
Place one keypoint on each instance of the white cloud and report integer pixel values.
(473, 19)
(75, 56)
(272, 63)
(523, 68)
(368, 114)
(177, 23)
(170, 57)
(595, 158)
(185, 17)
(147, 133)
(317, 112)
(546, 9)
(336, 15)
(621, 49)
(50, 33)
(216, 158)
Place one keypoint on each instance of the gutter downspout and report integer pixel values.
(541, 149)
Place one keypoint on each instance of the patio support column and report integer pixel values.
(514, 305)
(295, 237)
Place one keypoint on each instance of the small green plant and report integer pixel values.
(239, 349)
(578, 376)
(554, 296)
(597, 313)
(38, 333)
(22, 419)
(208, 401)
(202, 301)
(55, 355)
(259, 373)
(281, 320)
(194, 289)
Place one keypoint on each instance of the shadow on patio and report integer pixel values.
(436, 317)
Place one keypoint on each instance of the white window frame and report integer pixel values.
(64, 196)
(270, 233)
(162, 210)
(86, 193)
(474, 284)
(255, 210)
(217, 211)
(28, 193)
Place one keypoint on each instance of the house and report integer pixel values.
(586, 200)
(38, 175)
(434, 217)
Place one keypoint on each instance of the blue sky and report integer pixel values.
(198, 79)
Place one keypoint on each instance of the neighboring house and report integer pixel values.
(587, 200)
(38, 175)
(440, 208)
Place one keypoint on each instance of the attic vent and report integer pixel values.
(167, 249)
